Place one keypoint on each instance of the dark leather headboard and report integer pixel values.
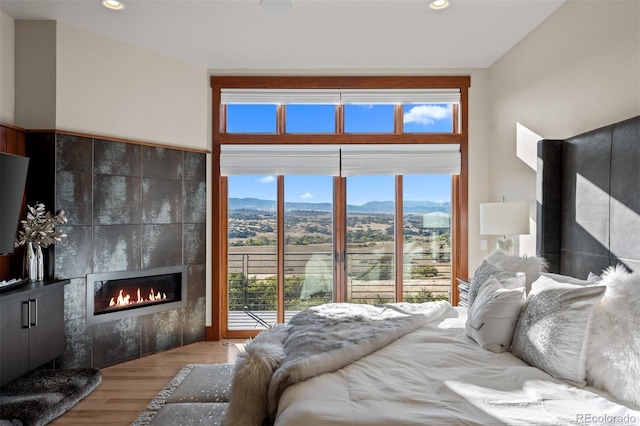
(588, 192)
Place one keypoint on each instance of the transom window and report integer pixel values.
(341, 110)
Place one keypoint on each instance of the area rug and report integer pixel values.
(197, 395)
(42, 395)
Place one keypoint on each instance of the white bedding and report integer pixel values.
(437, 376)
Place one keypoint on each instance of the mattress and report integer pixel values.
(438, 376)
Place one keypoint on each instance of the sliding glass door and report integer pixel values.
(308, 242)
(426, 229)
(299, 241)
(252, 252)
(370, 257)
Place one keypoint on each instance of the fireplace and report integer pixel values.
(123, 294)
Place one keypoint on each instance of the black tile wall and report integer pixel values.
(195, 166)
(73, 254)
(128, 207)
(161, 201)
(117, 200)
(116, 248)
(74, 192)
(73, 153)
(161, 245)
(117, 158)
(162, 163)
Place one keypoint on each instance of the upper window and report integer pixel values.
(368, 118)
(337, 111)
(427, 118)
(310, 119)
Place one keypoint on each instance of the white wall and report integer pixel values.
(109, 88)
(479, 153)
(7, 73)
(577, 71)
(35, 77)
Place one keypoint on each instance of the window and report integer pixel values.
(325, 246)
(368, 118)
(263, 119)
(310, 119)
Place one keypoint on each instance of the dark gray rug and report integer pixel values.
(42, 395)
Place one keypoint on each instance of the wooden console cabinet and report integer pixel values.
(31, 327)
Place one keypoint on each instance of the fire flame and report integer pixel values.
(125, 299)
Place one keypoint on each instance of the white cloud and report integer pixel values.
(306, 195)
(267, 179)
(427, 114)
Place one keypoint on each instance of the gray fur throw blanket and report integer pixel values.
(317, 340)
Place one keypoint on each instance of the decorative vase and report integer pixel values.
(39, 263)
(30, 262)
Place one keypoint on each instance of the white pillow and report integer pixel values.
(531, 266)
(594, 278)
(567, 279)
(613, 356)
(485, 270)
(552, 330)
(494, 314)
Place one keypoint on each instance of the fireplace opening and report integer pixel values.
(116, 295)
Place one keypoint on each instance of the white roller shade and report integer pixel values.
(400, 159)
(319, 160)
(339, 96)
(280, 96)
(400, 96)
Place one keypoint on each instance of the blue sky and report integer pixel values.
(360, 189)
(358, 119)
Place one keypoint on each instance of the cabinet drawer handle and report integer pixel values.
(26, 314)
(33, 313)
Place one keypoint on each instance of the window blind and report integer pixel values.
(358, 160)
(339, 160)
(318, 160)
(280, 96)
(400, 96)
(339, 96)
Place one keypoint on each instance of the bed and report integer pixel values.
(547, 340)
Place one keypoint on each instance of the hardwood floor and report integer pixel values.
(127, 388)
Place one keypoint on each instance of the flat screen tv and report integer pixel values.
(13, 176)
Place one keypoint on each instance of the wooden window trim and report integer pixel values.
(459, 182)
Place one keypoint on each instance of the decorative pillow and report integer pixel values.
(566, 279)
(594, 278)
(591, 279)
(485, 270)
(531, 266)
(552, 330)
(613, 356)
(494, 314)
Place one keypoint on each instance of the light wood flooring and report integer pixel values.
(127, 388)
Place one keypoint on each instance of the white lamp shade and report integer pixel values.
(504, 218)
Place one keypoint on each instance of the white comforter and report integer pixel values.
(437, 376)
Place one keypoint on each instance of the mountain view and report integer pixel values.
(370, 207)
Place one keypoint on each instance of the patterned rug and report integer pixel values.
(197, 396)
(42, 395)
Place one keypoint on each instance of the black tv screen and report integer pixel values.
(13, 175)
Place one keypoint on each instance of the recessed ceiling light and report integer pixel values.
(276, 6)
(439, 4)
(112, 4)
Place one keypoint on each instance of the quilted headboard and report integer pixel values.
(588, 200)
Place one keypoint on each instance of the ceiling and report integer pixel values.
(236, 35)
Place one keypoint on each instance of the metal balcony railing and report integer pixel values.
(309, 281)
